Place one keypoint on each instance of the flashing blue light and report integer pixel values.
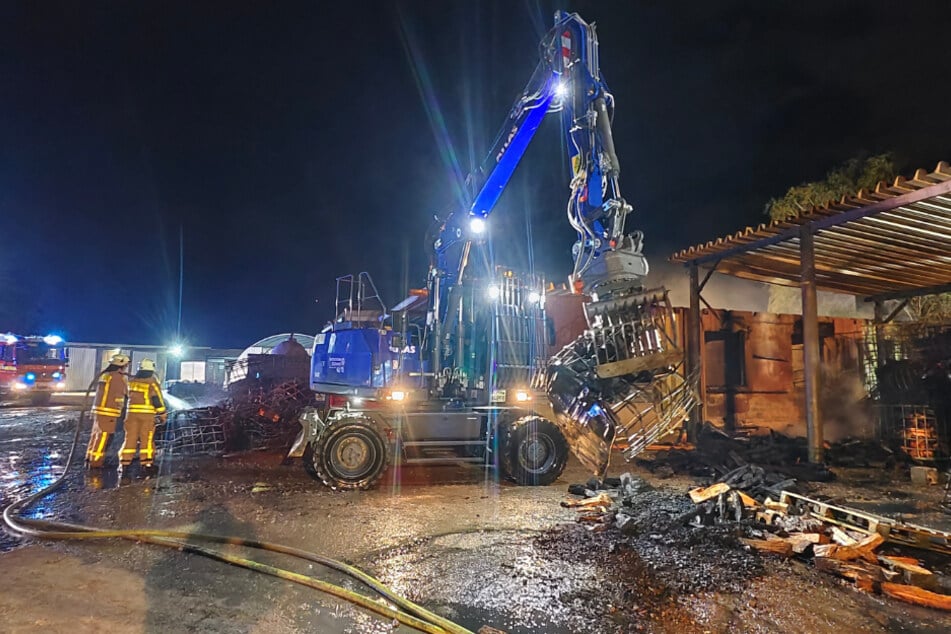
(52, 340)
(30, 376)
(57, 375)
(595, 411)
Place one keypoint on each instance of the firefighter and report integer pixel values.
(111, 392)
(145, 405)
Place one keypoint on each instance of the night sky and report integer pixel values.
(292, 143)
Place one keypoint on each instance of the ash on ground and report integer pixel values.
(655, 560)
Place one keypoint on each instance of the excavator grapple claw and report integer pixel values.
(622, 380)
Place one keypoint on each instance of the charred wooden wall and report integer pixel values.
(753, 373)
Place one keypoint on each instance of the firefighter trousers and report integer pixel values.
(139, 431)
(103, 429)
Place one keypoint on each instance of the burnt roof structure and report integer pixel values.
(884, 244)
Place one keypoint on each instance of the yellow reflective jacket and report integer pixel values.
(110, 394)
(145, 396)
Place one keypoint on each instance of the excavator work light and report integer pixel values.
(522, 396)
(561, 89)
(477, 226)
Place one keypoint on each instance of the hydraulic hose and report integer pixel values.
(412, 615)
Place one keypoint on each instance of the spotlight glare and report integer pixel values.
(477, 226)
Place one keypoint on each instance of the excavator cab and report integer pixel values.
(399, 391)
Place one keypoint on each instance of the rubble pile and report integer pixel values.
(743, 513)
(716, 454)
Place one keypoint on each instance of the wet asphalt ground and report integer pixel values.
(455, 539)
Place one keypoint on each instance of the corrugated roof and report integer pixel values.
(895, 239)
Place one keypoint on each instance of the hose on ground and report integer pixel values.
(406, 612)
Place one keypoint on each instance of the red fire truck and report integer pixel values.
(32, 368)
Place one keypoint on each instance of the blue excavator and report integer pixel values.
(461, 370)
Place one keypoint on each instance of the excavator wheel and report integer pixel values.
(532, 451)
(350, 453)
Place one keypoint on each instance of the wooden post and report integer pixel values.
(810, 342)
(694, 339)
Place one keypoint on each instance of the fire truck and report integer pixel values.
(32, 368)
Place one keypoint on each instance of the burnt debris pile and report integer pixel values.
(773, 457)
(653, 527)
(731, 523)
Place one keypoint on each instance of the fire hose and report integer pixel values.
(399, 608)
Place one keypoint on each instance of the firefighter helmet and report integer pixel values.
(120, 360)
(147, 364)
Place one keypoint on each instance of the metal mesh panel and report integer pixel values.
(258, 419)
(190, 433)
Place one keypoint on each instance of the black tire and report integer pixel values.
(532, 451)
(40, 398)
(350, 453)
(308, 460)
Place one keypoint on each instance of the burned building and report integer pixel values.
(883, 248)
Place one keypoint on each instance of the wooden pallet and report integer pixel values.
(892, 530)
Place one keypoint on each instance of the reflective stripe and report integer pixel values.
(161, 399)
(107, 411)
(149, 449)
(141, 409)
(100, 450)
(105, 391)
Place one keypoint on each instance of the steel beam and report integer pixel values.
(810, 343)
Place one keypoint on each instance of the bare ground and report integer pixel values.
(453, 538)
